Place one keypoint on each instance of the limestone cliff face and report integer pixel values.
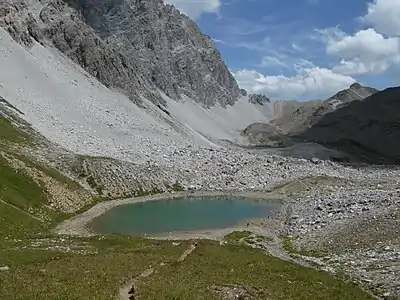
(259, 99)
(166, 46)
(136, 46)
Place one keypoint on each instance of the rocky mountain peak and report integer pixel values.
(167, 48)
(355, 92)
(259, 99)
(355, 86)
(139, 47)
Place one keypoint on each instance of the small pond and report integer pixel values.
(182, 214)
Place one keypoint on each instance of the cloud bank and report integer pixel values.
(194, 8)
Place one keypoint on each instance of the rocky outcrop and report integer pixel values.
(138, 47)
(166, 47)
(263, 134)
(355, 92)
(259, 99)
(295, 119)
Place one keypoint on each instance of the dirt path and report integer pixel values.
(187, 252)
(21, 210)
(128, 290)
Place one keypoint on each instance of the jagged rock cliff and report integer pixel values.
(259, 99)
(135, 46)
(167, 47)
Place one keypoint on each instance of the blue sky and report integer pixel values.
(303, 49)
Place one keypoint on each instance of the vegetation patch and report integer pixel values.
(237, 236)
(246, 238)
(10, 133)
(212, 265)
(289, 247)
(41, 265)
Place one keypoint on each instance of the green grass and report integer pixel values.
(292, 250)
(22, 195)
(212, 265)
(237, 236)
(38, 274)
(43, 266)
(105, 263)
(246, 237)
(17, 188)
(16, 224)
(10, 133)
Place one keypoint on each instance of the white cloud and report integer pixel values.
(194, 8)
(329, 34)
(366, 44)
(297, 47)
(271, 61)
(367, 52)
(371, 51)
(358, 67)
(384, 16)
(308, 83)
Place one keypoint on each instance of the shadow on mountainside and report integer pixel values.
(368, 131)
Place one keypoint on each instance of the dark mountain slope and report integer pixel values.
(294, 117)
(369, 128)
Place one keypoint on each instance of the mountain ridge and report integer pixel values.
(294, 117)
(109, 41)
(370, 127)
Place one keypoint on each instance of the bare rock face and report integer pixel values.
(54, 23)
(259, 99)
(139, 47)
(166, 47)
(263, 134)
(355, 92)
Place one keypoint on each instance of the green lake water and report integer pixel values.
(182, 214)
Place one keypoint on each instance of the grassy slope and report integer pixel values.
(72, 268)
(23, 202)
(268, 277)
(16, 188)
(95, 273)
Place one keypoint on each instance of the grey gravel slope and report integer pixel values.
(138, 47)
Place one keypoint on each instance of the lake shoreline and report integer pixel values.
(77, 225)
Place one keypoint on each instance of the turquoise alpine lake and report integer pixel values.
(182, 214)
